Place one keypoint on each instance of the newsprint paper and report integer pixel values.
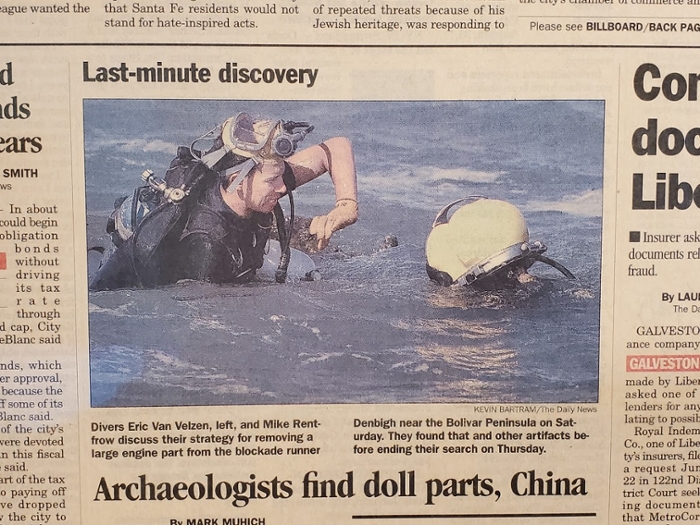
(491, 312)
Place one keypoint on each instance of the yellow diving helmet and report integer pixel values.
(483, 237)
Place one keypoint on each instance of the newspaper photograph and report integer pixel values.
(351, 326)
(274, 262)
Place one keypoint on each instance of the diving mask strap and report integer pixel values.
(210, 159)
(243, 171)
(213, 157)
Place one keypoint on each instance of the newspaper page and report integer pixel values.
(478, 305)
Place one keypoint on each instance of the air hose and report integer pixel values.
(285, 238)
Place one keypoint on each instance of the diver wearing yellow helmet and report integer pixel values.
(485, 244)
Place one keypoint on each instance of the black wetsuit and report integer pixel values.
(212, 243)
(218, 245)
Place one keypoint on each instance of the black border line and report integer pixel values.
(348, 46)
(474, 516)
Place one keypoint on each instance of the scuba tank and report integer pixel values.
(146, 226)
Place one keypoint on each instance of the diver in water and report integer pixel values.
(210, 218)
(485, 245)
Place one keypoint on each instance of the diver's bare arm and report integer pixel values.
(337, 159)
(313, 162)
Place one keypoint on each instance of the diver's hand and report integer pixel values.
(344, 214)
